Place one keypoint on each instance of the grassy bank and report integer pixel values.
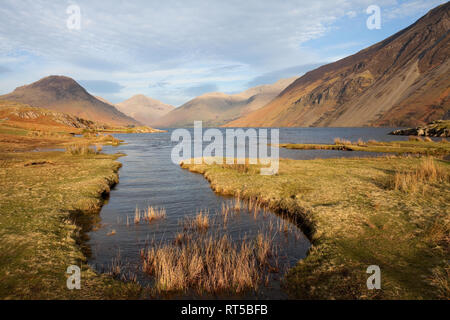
(43, 198)
(389, 211)
(415, 145)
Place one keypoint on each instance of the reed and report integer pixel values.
(152, 214)
(339, 141)
(415, 180)
(149, 214)
(200, 222)
(79, 149)
(208, 265)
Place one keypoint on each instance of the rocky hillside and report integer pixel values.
(217, 108)
(401, 81)
(25, 116)
(63, 94)
(144, 109)
(438, 128)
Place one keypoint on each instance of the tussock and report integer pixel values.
(339, 141)
(79, 149)
(426, 172)
(200, 222)
(208, 265)
(148, 215)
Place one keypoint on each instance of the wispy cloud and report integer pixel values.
(167, 49)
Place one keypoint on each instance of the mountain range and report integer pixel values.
(145, 109)
(401, 81)
(216, 108)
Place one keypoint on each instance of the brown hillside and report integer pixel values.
(217, 108)
(63, 94)
(19, 115)
(144, 109)
(401, 81)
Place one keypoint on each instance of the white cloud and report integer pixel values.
(181, 43)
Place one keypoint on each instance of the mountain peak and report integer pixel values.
(145, 109)
(400, 81)
(64, 94)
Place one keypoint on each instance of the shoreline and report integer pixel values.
(340, 251)
(46, 224)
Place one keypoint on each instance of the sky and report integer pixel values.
(174, 51)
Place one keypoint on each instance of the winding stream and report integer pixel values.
(148, 177)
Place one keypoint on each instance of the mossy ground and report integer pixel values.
(354, 219)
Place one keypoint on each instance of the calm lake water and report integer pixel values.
(148, 177)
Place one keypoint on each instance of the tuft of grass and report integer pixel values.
(411, 181)
(339, 141)
(414, 138)
(200, 222)
(152, 214)
(207, 265)
(79, 149)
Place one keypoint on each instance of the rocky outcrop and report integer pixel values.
(438, 128)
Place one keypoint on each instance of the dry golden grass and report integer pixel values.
(416, 180)
(208, 265)
(200, 222)
(182, 238)
(80, 149)
(440, 279)
(414, 138)
(339, 141)
(149, 215)
(109, 139)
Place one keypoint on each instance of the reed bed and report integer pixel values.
(340, 141)
(427, 172)
(200, 222)
(79, 149)
(149, 215)
(208, 264)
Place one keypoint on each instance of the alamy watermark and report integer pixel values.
(74, 280)
(73, 22)
(374, 281)
(229, 149)
(374, 20)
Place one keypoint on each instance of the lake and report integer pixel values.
(148, 177)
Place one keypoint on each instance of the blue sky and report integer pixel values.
(176, 50)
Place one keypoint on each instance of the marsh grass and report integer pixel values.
(413, 181)
(149, 214)
(109, 139)
(354, 220)
(340, 141)
(211, 265)
(415, 145)
(200, 222)
(45, 211)
(80, 149)
(414, 138)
